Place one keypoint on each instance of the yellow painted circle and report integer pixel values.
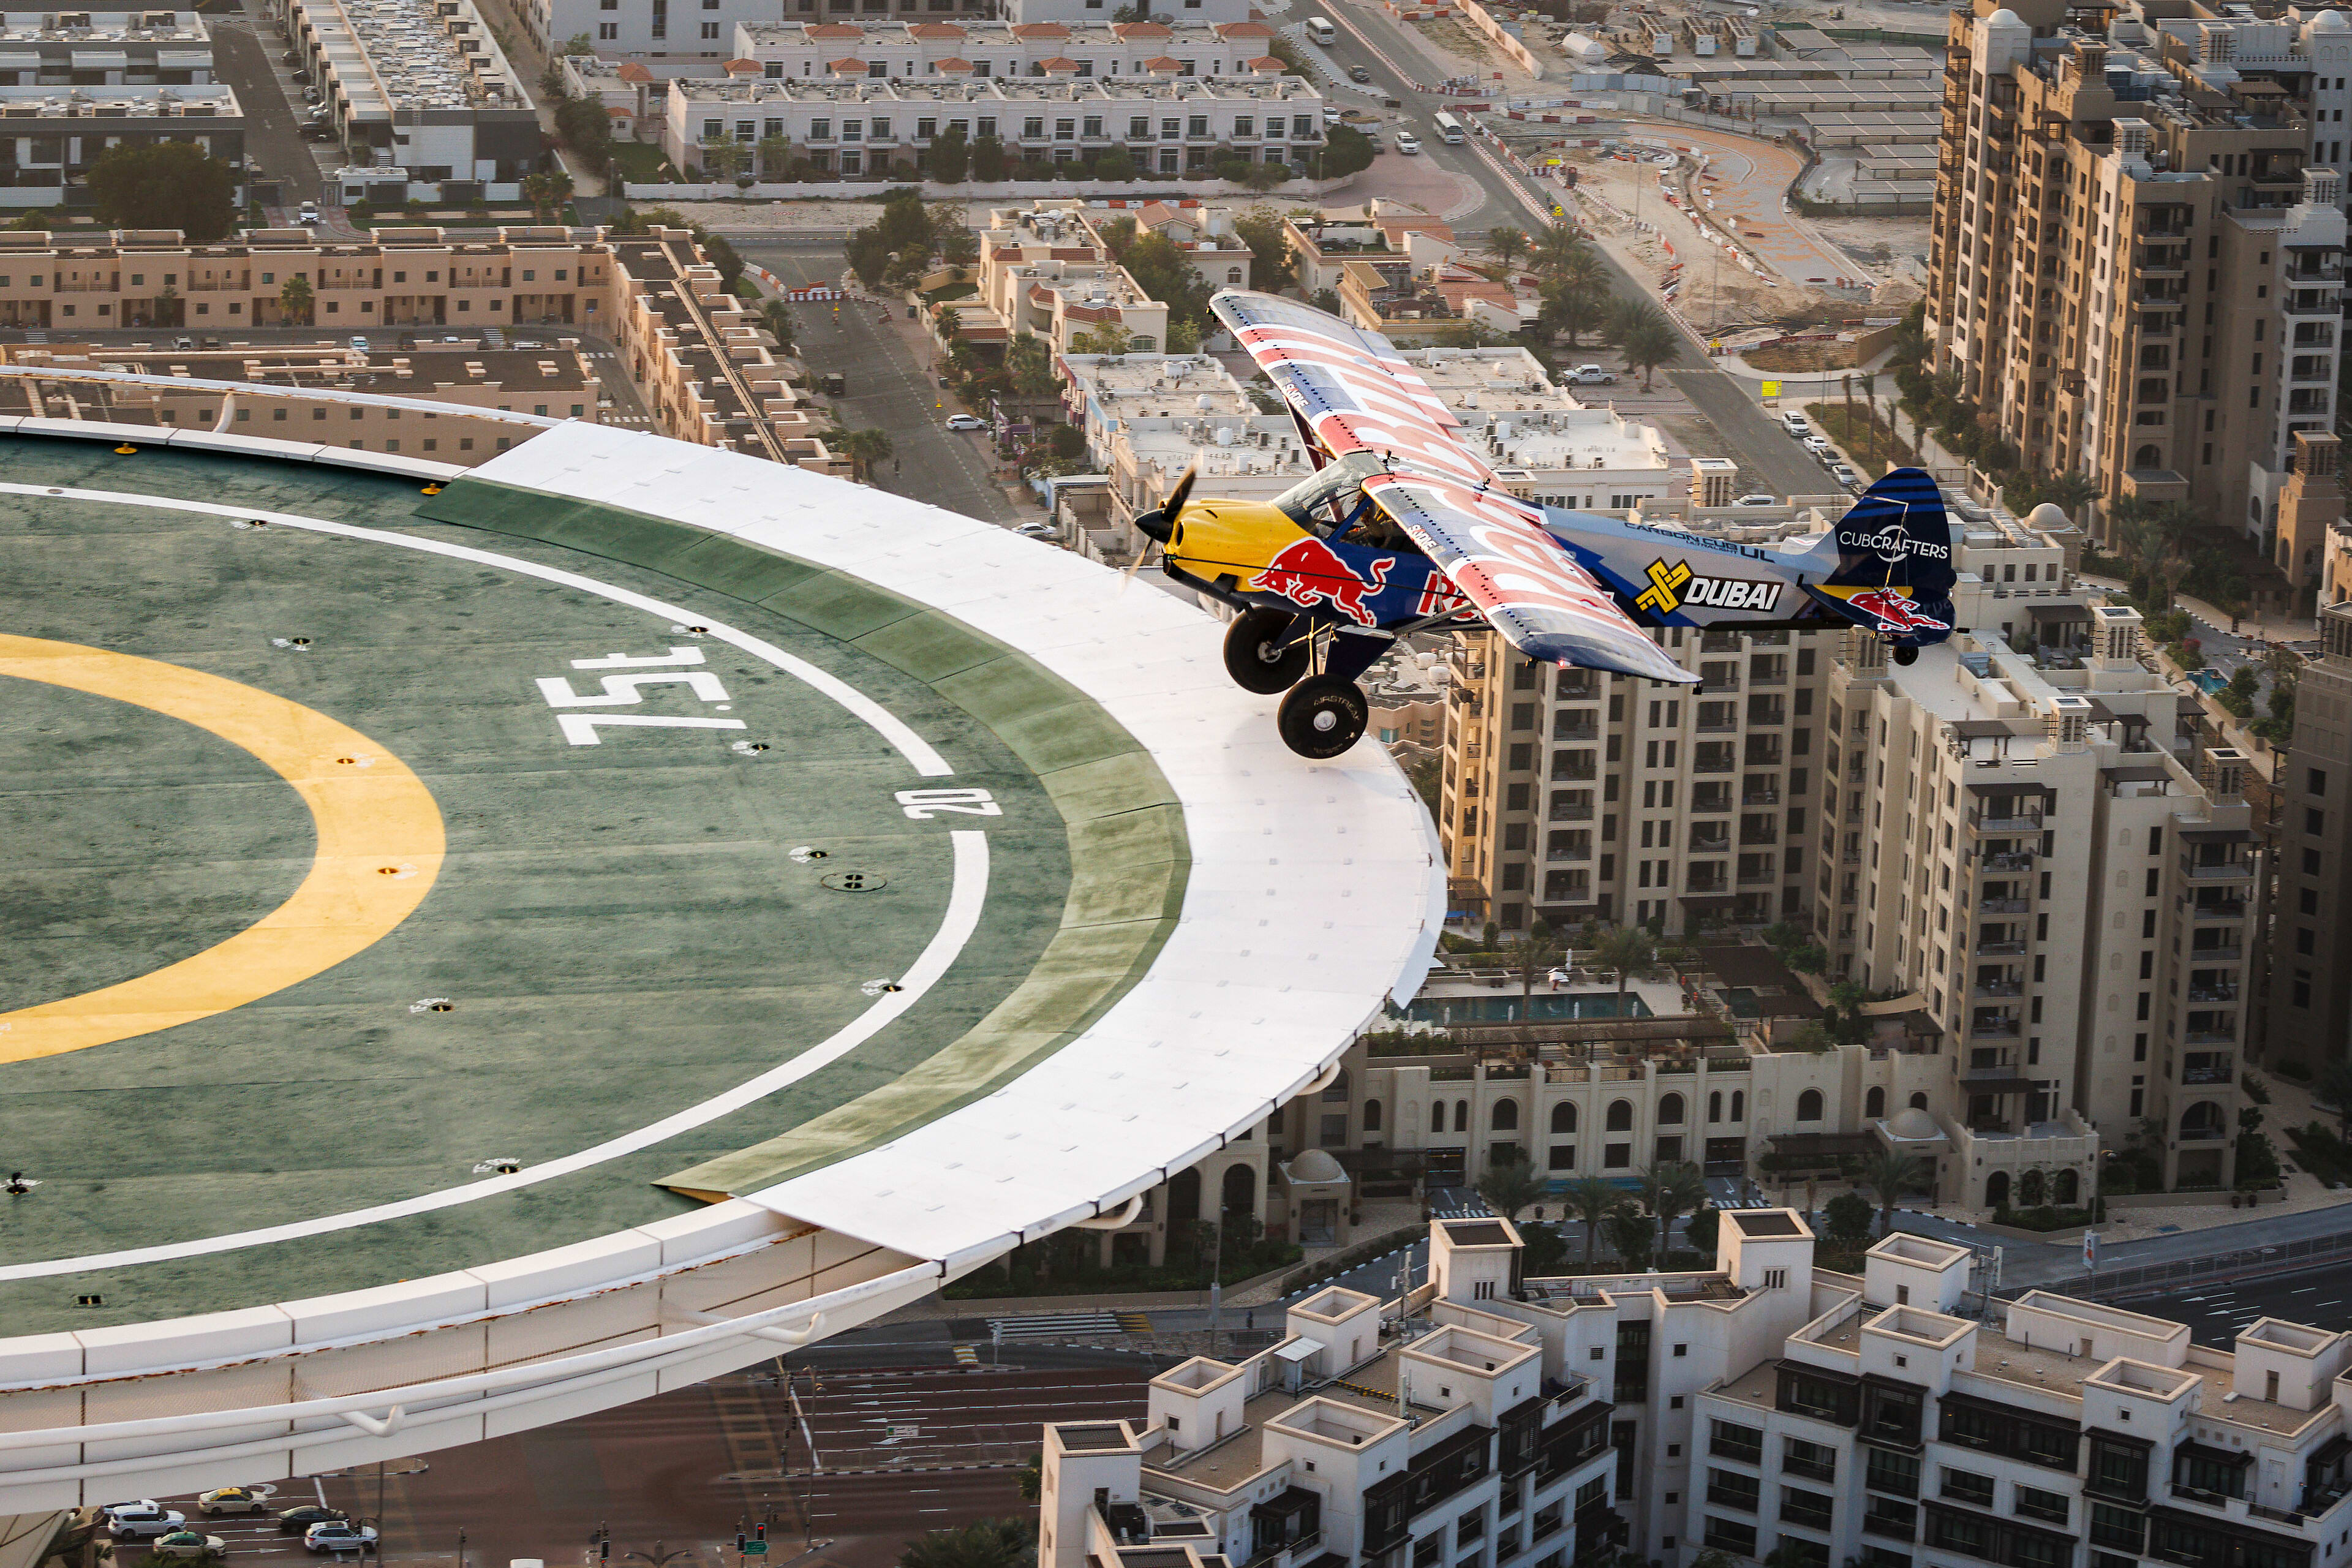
(380, 849)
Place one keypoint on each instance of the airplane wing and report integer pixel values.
(1354, 393)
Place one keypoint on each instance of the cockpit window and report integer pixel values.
(1332, 504)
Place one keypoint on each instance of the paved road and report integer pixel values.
(1386, 36)
(272, 130)
(2214, 1314)
(1768, 459)
(889, 386)
(687, 1469)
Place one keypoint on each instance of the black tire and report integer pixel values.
(1258, 655)
(1323, 716)
(1906, 656)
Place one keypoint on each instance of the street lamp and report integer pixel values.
(657, 1558)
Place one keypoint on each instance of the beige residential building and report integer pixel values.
(1046, 271)
(700, 360)
(2309, 1016)
(2137, 251)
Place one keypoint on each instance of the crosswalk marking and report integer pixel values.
(966, 1356)
(1045, 1324)
(1134, 1322)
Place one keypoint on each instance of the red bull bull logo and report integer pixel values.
(1307, 573)
(1895, 612)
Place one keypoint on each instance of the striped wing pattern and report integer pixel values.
(1356, 394)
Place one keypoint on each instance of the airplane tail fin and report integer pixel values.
(1894, 553)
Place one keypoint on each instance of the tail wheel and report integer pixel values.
(1906, 656)
(1260, 655)
(1323, 716)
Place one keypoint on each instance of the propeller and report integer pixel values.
(1159, 525)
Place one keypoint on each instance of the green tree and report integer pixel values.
(1701, 1229)
(721, 157)
(988, 160)
(1849, 1218)
(1102, 337)
(777, 317)
(583, 125)
(1164, 273)
(1671, 1189)
(1647, 340)
(1030, 1476)
(1551, 251)
(2332, 1093)
(1116, 167)
(295, 299)
(1629, 951)
(865, 447)
(1592, 1200)
(164, 184)
(950, 158)
(1629, 1236)
(987, 1543)
(1505, 244)
(1889, 1173)
(1031, 365)
(1510, 1186)
(547, 192)
(1263, 229)
(775, 157)
(1345, 151)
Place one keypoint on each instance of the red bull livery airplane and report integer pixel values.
(1403, 528)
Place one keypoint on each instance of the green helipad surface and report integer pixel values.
(621, 932)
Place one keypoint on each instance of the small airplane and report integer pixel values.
(1403, 529)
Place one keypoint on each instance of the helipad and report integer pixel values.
(470, 957)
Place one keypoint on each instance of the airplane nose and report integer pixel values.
(1154, 524)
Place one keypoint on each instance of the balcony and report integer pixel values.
(1986, 822)
(2231, 954)
(2223, 1074)
(2003, 905)
(1711, 845)
(2220, 909)
(1760, 798)
(2217, 871)
(2213, 993)
(1994, 1028)
(1999, 988)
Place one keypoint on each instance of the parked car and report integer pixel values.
(184, 342)
(966, 422)
(1359, 73)
(1757, 501)
(1038, 531)
(1591, 375)
(231, 1499)
(295, 1521)
(186, 1543)
(1843, 473)
(1796, 425)
(318, 131)
(290, 58)
(1819, 445)
(142, 1521)
(1373, 135)
(309, 213)
(303, 78)
(338, 1535)
(358, 345)
(1408, 143)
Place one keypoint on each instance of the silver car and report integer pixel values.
(142, 1521)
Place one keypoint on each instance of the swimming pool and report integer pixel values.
(2209, 680)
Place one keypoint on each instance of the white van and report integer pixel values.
(1449, 131)
(1320, 29)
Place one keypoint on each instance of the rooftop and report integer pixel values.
(389, 55)
(104, 26)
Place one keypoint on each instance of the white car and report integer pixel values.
(231, 1499)
(1757, 501)
(142, 1521)
(1796, 425)
(1590, 376)
(189, 1543)
(1819, 445)
(336, 1535)
(1408, 143)
(310, 212)
(1843, 473)
(358, 345)
(966, 422)
(1038, 531)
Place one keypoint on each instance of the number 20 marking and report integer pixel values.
(923, 805)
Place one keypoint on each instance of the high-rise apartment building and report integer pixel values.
(2137, 249)
(2309, 1017)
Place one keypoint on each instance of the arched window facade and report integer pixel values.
(1371, 1116)
(1715, 1106)
(1919, 1100)
(1462, 1116)
(1669, 1111)
(1437, 1116)
(1997, 1189)
(2068, 1188)
(1809, 1105)
(1873, 1104)
(1505, 1117)
(1563, 1117)
(1621, 1116)
(1336, 1091)
(1739, 1105)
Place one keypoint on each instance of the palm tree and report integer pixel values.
(1628, 949)
(1647, 340)
(1552, 250)
(547, 192)
(1505, 243)
(1592, 1200)
(865, 447)
(1540, 951)
(1888, 1172)
(294, 297)
(2069, 489)
(1510, 1186)
(1672, 1189)
(1102, 337)
(984, 1543)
